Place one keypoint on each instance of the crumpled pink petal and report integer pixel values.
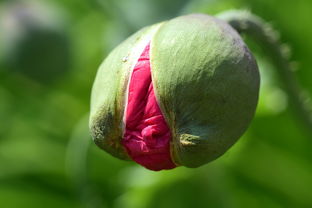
(147, 135)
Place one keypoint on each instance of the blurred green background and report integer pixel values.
(49, 55)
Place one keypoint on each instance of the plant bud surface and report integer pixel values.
(177, 93)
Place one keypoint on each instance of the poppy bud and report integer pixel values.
(177, 93)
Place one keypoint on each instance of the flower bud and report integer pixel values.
(177, 93)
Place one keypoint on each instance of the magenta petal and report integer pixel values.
(147, 135)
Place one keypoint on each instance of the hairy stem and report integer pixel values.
(266, 37)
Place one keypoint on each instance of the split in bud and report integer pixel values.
(147, 135)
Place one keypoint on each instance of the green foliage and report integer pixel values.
(47, 158)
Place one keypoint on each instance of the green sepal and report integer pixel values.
(207, 83)
(109, 92)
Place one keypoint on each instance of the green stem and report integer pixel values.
(76, 164)
(266, 37)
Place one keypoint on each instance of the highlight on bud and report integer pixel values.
(177, 93)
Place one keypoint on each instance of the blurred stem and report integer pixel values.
(76, 164)
(266, 37)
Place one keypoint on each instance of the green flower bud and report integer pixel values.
(205, 81)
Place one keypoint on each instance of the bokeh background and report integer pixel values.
(49, 55)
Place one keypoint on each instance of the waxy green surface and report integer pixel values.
(108, 97)
(207, 84)
(205, 80)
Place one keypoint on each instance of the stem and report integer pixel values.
(265, 36)
(76, 164)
